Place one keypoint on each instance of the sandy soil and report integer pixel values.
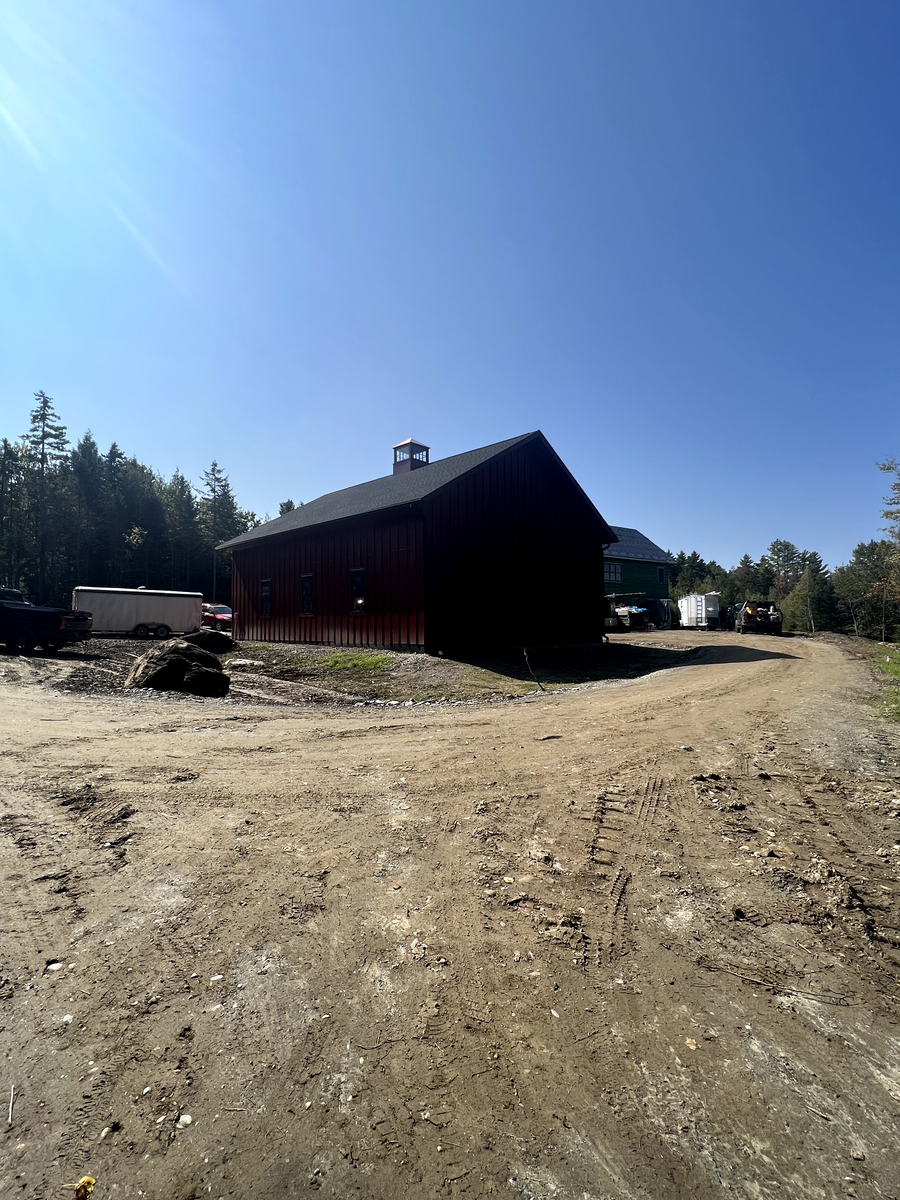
(634, 940)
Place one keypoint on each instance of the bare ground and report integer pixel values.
(629, 940)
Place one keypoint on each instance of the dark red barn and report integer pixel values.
(495, 547)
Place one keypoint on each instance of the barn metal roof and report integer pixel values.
(388, 492)
(633, 544)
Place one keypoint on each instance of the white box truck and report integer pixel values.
(700, 611)
(139, 611)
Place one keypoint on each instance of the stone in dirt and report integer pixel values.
(210, 639)
(179, 666)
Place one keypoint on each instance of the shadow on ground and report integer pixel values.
(567, 665)
(708, 656)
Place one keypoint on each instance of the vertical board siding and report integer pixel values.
(515, 556)
(388, 549)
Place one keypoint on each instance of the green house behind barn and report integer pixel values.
(635, 566)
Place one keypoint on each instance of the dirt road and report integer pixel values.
(629, 941)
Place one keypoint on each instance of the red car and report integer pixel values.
(217, 616)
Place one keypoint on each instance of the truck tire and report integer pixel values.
(22, 640)
(141, 631)
(162, 632)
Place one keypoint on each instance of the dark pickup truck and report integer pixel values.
(758, 616)
(24, 626)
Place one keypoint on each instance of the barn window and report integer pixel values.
(358, 591)
(306, 593)
(612, 572)
(661, 574)
(265, 598)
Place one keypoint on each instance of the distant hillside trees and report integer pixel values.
(74, 515)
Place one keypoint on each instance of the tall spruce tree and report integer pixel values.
(47, 445)
(220, 519)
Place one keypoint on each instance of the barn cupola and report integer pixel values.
(410, 455)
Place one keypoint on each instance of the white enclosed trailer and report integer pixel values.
(700, 611)
(139, 611)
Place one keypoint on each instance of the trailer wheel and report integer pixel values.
(141, 631)
(162, 632)
(22, 641)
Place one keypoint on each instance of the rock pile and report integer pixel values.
(179, 666)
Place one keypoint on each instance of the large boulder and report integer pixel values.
(179, 666)
(210, 639)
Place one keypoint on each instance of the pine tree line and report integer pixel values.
(861, 597)
(72, 515)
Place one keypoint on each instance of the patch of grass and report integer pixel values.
(355, 660)
(887, 659)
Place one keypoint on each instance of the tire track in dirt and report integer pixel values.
(43, 935)
(782, 895)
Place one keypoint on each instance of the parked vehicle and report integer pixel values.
(661, 614)
(759, 616)
(727, 616)
(217, 616)
(699, 611)
(24, 626)
(631, 616)
(140, 611)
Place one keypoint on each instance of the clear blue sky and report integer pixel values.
(287, 234)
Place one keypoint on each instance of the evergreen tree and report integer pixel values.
(183, 532)
(90, 500)
(44, 484)
(744, 579)
(786, 564)
(286, 506)
(220, 520)
(12, 520)
(46, 435)
(812, 604)
(686, 573)
(867, 603)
